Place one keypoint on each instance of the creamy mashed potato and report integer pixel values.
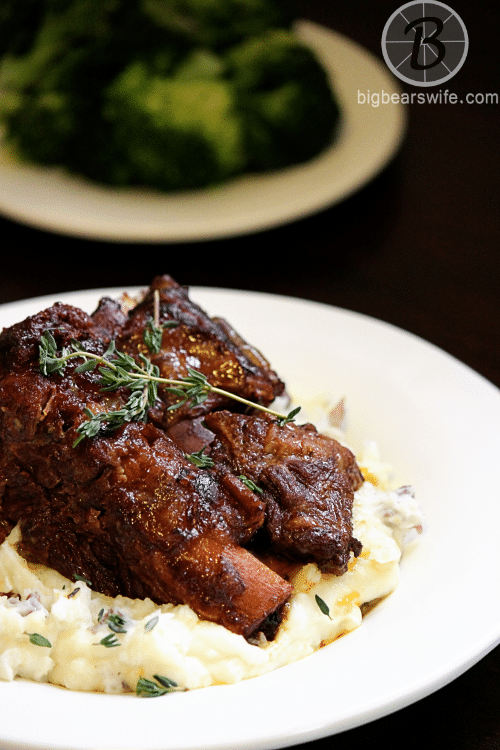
(60, 631)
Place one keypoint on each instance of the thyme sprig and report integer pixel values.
(153, 334)
(149, 689)
(118, 369)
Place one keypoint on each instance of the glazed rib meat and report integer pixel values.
(191, 339)
(307, 481)
(127, 511)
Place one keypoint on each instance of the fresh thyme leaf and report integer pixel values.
(153, 334)
(178, 404)
(116, 623)
(90, 427)
(151, 624)
(290, 417)
(251, 485)
(149, 689)
(165, 682)
(87, 366)
(39, 640)
(49, 362)
(110, 350)
(110, 641)
(193, 389)
(199, 458)
(322, 605)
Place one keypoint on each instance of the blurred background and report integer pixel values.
(418, 246)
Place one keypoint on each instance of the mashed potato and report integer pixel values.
(60, 631)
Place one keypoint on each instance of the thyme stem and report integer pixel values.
(140, 374)
(124, 371)
(156, 303)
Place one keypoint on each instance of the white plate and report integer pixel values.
(368, 137)
(437, 422)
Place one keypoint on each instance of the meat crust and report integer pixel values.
(307, 481)
(191, 339)
(128, 510)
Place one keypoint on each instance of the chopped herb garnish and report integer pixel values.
(251, 485)
(149, 689)
(110, 641)
(323, 606)
(151, 624)
(166, 682)
(39, 640)
(200, 459)
(116, 623)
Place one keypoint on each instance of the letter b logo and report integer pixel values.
(425, 44)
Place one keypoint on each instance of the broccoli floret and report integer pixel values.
(285, 99)
(218, 24)
(42, 127)
(19, 23)
(51, 93)
(171, 94)
(45, 90)
(55, 30)
(201, 64)
(173, 133)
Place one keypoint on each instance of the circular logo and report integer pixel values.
(425, 44)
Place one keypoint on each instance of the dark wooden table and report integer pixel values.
(418, 247)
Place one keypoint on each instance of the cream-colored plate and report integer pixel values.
(367, 138)
(437, 422)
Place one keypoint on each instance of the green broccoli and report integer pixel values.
(285, 100)
(218, 24)
(51, 92)
(171, 94)
(173, 132)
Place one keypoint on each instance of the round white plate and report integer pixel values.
(368, 137)
(437, 422)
